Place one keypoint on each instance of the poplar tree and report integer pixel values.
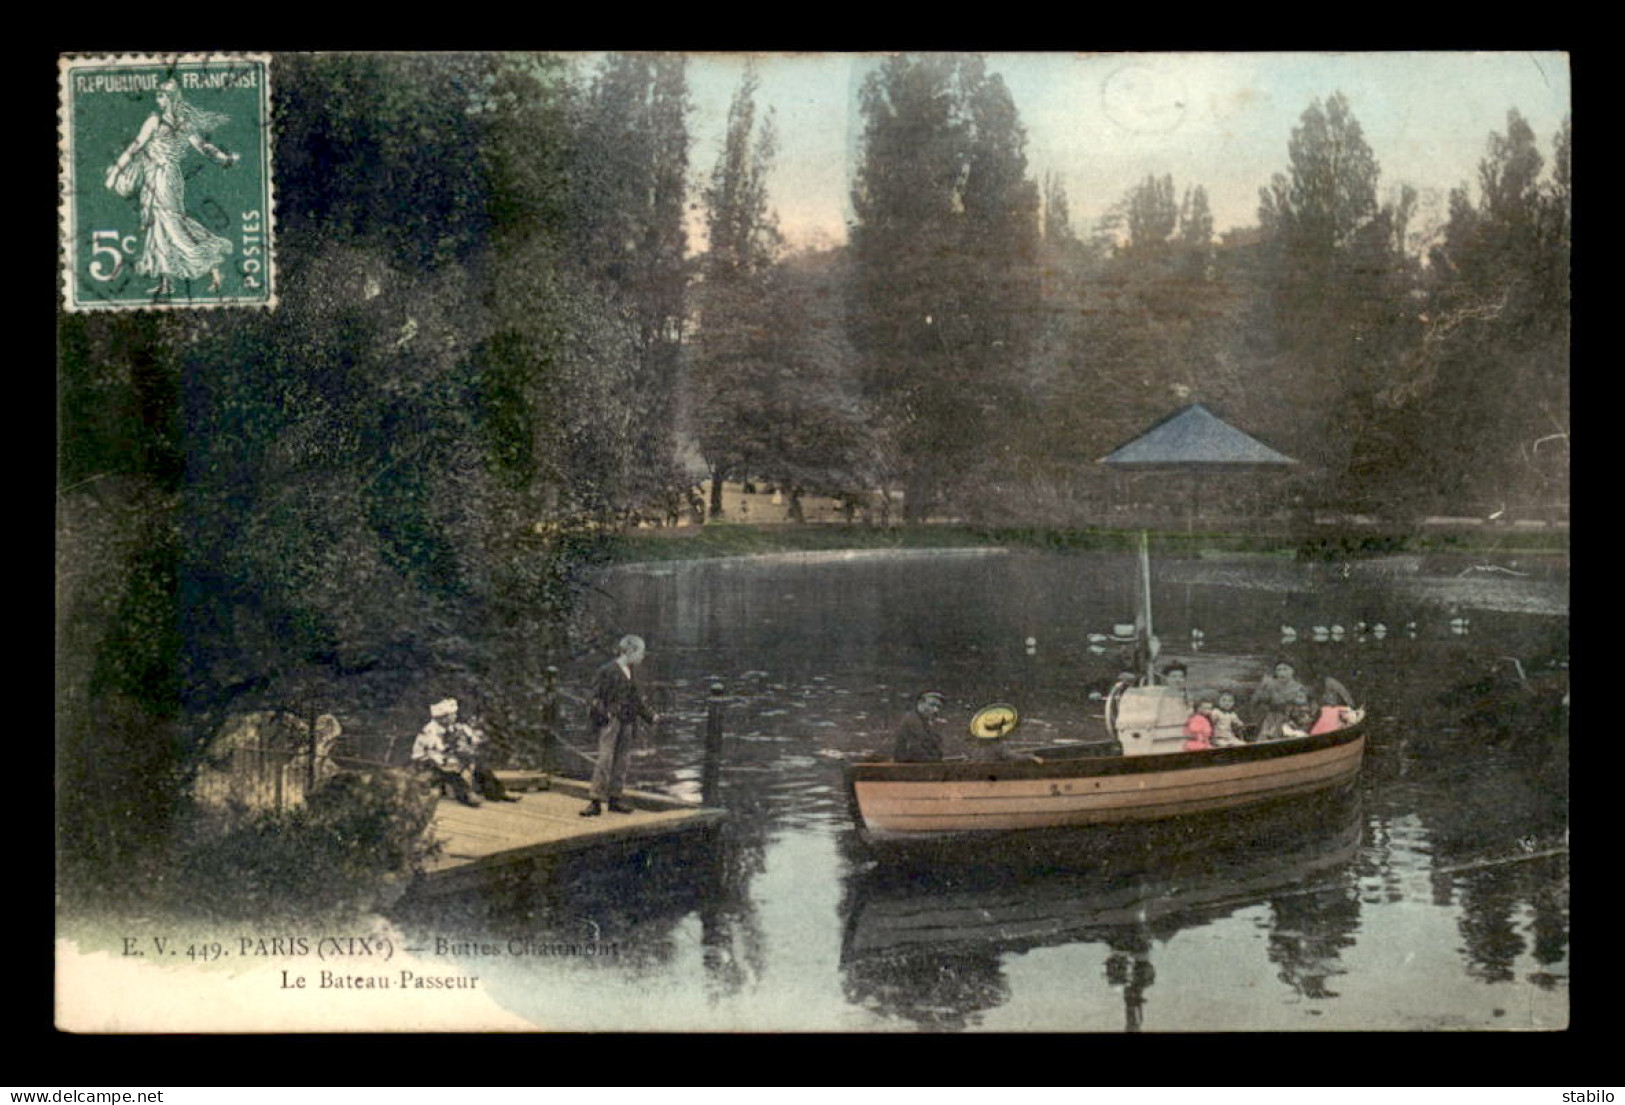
(628, 169)
(944, 245)
(734, 346)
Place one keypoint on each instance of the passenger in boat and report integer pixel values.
(1227, 724)
(1174, 675)
(1275, 695)
(1199, 727)
(1334, 715)
(916, 739)
(989, 748)
(1335, 689)
(1300, 717)
(435, 757)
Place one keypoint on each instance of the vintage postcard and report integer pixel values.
(166, 182)
(813, 542)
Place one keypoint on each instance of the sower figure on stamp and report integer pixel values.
(617, 705)
(176, 245)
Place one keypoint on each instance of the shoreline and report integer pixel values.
(1450, 549)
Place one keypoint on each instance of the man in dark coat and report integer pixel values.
(917, 740)
(617, 705)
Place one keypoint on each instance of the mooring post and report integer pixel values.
(550, 717)
(310, 768)
(711, 771)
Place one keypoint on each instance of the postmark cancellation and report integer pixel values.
(166, 187)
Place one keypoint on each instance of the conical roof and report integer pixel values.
(1195, 437)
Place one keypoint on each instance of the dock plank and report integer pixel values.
(548, 822)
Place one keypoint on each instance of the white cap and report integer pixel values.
(443, 707)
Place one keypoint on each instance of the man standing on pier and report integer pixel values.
(617, 704)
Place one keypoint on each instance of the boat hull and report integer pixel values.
(901, 801)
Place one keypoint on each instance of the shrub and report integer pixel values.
(351, 847)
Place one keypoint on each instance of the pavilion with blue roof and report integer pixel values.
(1195, 441)
(1194, 437)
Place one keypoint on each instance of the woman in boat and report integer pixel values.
(1333, 689)
(1334, 714)
(1276, 695)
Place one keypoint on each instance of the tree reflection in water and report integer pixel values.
(1489, 805)
(928, 934)
(1129, 969)
(1308, 933)
(936, 990)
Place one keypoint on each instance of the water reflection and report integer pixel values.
(926, 937)
(1308, 933)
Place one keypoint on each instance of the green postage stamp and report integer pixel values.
(166, 182)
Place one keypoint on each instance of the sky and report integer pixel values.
(1104, 122)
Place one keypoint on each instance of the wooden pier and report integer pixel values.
(479, 843)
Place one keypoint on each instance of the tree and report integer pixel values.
(1058, 232)
(734, 345)
(1493, 369)
(628, 167)
(1335, 274)
(1330, 190)
(945, 248)
(1196, 230)
(365, 468)
(1150, 214)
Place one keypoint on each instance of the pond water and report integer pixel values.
(1433, 896)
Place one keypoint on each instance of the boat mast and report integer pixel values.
(1147, 643)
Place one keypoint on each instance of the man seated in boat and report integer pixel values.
(917, 740)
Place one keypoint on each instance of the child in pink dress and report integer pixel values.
(1199, 727)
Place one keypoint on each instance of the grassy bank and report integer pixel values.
(725, 540)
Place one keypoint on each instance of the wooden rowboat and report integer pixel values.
(1142, 774)
(1069, 787)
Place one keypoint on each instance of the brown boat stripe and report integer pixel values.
(1135, 813)
(1314, 772)
(894, 806)
(1084, 767)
